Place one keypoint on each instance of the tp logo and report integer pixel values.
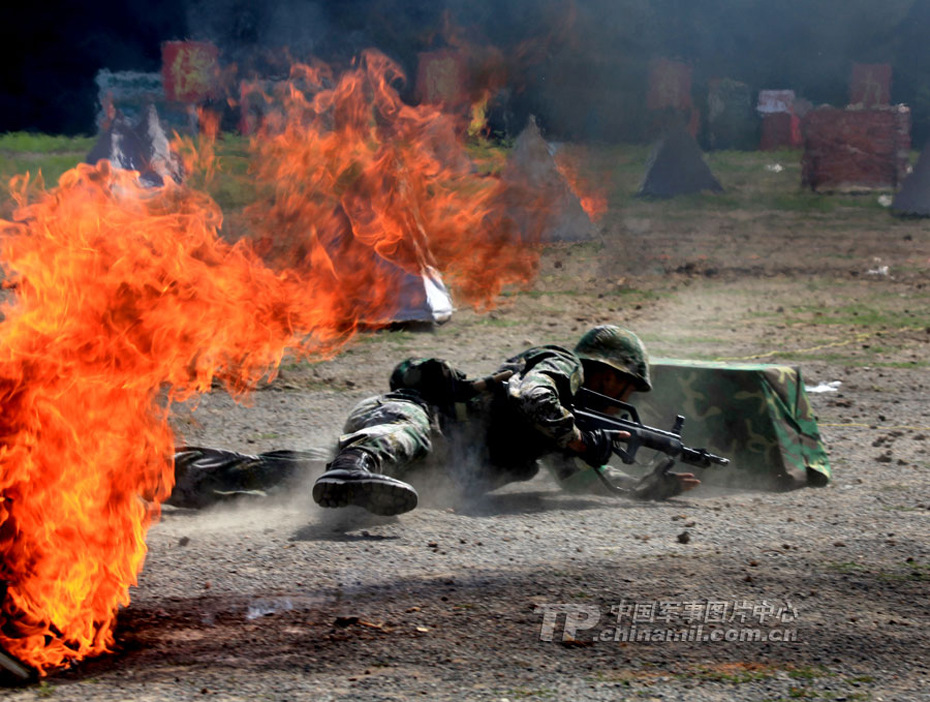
(577, 618)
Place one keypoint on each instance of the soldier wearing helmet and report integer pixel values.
(481, 433)
(493, 431)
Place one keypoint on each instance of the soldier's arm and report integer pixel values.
(538, 396)
(575, 476)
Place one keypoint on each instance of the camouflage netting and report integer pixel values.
(757, 415)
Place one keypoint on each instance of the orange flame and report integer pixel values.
(127, 300)
(347, 167)
(593, 200)
(119, 293)
(478, 125)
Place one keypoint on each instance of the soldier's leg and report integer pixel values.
(205, 476)
(383, 436)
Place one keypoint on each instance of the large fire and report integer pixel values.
(125, 300)
(346, 169)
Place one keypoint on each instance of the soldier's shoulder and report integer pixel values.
(535, 354)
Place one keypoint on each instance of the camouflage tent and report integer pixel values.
(758, 415)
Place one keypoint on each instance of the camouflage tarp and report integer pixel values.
(758, 415)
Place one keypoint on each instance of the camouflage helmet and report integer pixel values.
(618, 348)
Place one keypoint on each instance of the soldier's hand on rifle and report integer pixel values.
(663, 483)
(595, 446)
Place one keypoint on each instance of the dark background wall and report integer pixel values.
(580, 65)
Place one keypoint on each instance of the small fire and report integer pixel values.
(126, 300)
(478, 124)
(593, 200)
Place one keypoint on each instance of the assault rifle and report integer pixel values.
(590, 413)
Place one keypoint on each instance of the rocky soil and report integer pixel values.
(274, 599)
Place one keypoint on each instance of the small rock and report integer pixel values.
(184, 541)
(684, 537)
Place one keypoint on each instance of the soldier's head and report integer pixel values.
(615, 362)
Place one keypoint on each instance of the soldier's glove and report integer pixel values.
(660, 484)
(598, 445)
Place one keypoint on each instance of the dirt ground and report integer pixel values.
(276, 600)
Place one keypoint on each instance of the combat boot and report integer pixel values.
(351, 479)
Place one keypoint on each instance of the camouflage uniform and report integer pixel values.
(483, 439)
(482, 434)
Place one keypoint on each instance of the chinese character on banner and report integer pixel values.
(190, 70)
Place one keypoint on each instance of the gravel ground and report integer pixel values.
(275, 599)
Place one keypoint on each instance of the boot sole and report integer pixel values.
(379, 495)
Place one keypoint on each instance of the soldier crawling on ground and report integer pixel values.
(484, 433)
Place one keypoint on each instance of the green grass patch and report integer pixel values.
(24, 152)
(855, 316)
(810, 673)
(905, 572)
(29, 142)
